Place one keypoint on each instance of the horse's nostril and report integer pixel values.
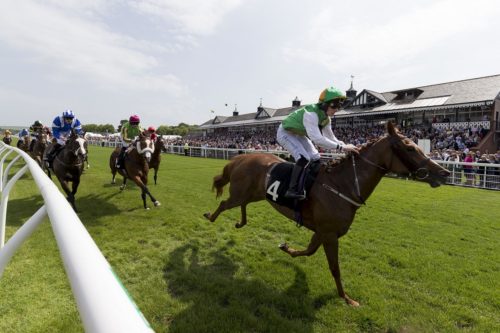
(444, 173)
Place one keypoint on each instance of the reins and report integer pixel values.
(356, 182)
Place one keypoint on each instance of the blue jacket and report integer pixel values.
(60, 128)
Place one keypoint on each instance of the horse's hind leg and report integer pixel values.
(228, 204)
(155, 175)
(313, 246)
(243, 221)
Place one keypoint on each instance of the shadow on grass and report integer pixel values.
(219, 301)
(20, 210)
(93, 207)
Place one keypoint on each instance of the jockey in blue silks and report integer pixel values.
(61, 130)
(21, 136)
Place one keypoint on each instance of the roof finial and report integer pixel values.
(261, 101)
(352, 79)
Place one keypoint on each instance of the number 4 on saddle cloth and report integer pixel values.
(278, 180)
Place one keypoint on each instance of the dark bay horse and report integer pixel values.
(339, 190)
(39, 147)
(154, 163)
(25, 144)
(136, 166)
(67, 165)
(7, 139)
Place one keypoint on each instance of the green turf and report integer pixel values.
(417, 259)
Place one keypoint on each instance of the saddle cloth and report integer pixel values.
(278, 180)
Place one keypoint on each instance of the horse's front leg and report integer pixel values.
(313, 246)
(74, 189)
(155, 175)
(331, 247)
(122, 186)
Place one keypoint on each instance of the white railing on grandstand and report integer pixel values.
(463, 124)
(102, 301)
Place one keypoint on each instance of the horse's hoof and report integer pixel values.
(283, 246)
(122, 188)
(157, 203)
(239, 225)
(207, 216)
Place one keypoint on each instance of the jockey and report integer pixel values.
(151, 132)
(21, 135)
(34, 129)
(129, 131)
(61, 129)
(306, 124)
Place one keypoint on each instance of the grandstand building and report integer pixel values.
(458, 104)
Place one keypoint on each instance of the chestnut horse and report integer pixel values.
(67, 165)
(339, 190)
(156, 157)
(136, 166)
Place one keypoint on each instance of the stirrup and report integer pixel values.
(291, 194)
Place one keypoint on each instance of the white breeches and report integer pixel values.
(297, 145)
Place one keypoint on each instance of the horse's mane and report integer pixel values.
(365, 146)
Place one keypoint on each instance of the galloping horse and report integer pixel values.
(7, 139)
(25, 144)
(156, 157)
(136, 166)
(67, 165)
(39, 147)
(339, 190)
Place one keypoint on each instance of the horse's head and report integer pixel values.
(408, 158)
(145, 147)
(76, 145)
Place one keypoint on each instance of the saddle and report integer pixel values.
(278, 179)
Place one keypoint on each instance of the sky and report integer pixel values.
(173, 61)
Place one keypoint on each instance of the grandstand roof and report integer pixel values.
(456, 94)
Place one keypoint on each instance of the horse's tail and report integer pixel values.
(221, 180)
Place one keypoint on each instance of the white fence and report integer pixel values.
(102, 301)
(479, 175)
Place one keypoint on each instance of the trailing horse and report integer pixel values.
(339, 190)
(135, 166)
(39, 147)
(67, 165)
(154, 163)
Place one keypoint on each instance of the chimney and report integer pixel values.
(296, 102)
(235, 112)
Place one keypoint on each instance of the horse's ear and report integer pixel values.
(390, 128)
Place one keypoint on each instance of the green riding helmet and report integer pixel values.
(329, 94)
(37, 123)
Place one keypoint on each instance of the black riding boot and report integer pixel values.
(121, 159)
(294, 192)
(51, 155)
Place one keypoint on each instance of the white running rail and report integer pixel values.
(103, 302)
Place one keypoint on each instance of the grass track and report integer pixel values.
(417, 259)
